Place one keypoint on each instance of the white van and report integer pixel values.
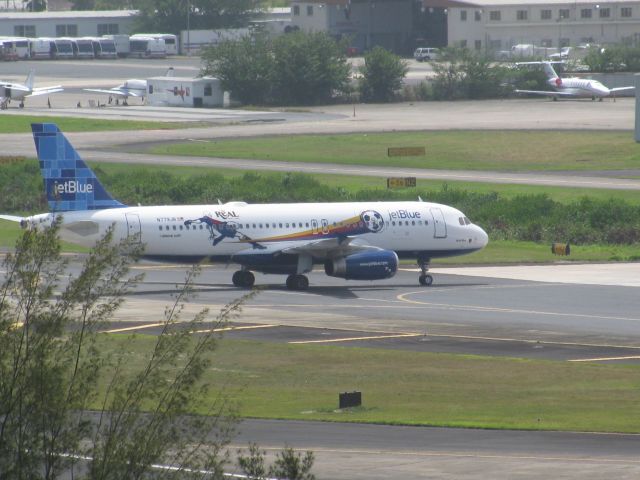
(421, 54)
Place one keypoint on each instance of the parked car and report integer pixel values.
(423, 53)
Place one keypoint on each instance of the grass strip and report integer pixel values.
(22, 124)
(458, 149)
(282, 381)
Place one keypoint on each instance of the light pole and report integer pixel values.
(188, 28)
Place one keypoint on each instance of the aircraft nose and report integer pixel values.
(482, 237)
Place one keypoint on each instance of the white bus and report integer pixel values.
(121, 42)
(82, 48)
(64, 48)
(170, 40)
(147, 47)
(18, 46)
(104, 48)
(43, 48)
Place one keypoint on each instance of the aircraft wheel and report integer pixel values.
(297, 282)
(248, 279)
(425, 280)
(243, 278)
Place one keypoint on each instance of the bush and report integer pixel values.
(382, 75)
(294, 69)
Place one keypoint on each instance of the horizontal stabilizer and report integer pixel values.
(11, 218)
(45, 91)
(118, 93)
(622, 89)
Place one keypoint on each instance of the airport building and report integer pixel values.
(496, 25)
(184, 92)
(66, 23)
(490, 25)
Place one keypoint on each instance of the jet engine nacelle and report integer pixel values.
(371, 265)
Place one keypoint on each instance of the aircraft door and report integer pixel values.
(439, 225)
(133, 226)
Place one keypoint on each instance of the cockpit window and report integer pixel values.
(461, 220)
(464, 221)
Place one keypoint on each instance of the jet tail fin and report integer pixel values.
(68, 181)
(549, 70)
(29, 81)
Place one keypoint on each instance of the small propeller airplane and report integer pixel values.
(133, 87)
(18, 91)
(572, 87)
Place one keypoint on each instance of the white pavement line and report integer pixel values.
(230, 329)
(606, 359)
(354, 339)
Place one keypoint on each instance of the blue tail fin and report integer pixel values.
(69, 182)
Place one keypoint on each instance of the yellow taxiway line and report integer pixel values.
(230, 329)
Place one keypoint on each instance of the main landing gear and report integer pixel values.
(297, 282)
(424, 278)
(246, 279)
(243, 278)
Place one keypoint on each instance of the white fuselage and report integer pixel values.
(176, 232)
(579, 87)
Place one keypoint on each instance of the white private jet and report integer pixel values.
(354, 241)
(133, 87)
(18, 91)
(572, 86)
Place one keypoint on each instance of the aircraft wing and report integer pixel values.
(13, 86)
(548, 93)
(322, 248)
(45, 91)
(116, 92)
(621, 89)
(11, 218)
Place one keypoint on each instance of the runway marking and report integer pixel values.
(606, 359)
(456, 455)
(229, 329)
(353, 339)
(507, 310)
(129, 329)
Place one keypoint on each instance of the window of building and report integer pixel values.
(495, 44)
(463, 15)
(478, 15)
(605, 12)
(208, 90)
(296, 10)
(625, 12)
(309, 10)
(463, 43)
(545, 14)
(108, 29)
(585, 13)
(563, 13)
(478, 44)
(494, 15)
(564, 42)
(66, 30)
(521, 15)
(546, 43)
(24, 30)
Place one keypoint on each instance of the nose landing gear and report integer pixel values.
(425, 279)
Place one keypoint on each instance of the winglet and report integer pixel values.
(69, 183)
(29, 81)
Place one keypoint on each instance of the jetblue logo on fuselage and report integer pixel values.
(402, 214)
(72, 186)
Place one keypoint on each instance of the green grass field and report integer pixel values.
(398, 387)
(22, 124)
(473, 150)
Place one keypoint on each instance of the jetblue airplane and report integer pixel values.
(354, 241)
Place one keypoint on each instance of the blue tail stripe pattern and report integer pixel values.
(69, 183)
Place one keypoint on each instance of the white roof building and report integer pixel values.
(498, 24)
